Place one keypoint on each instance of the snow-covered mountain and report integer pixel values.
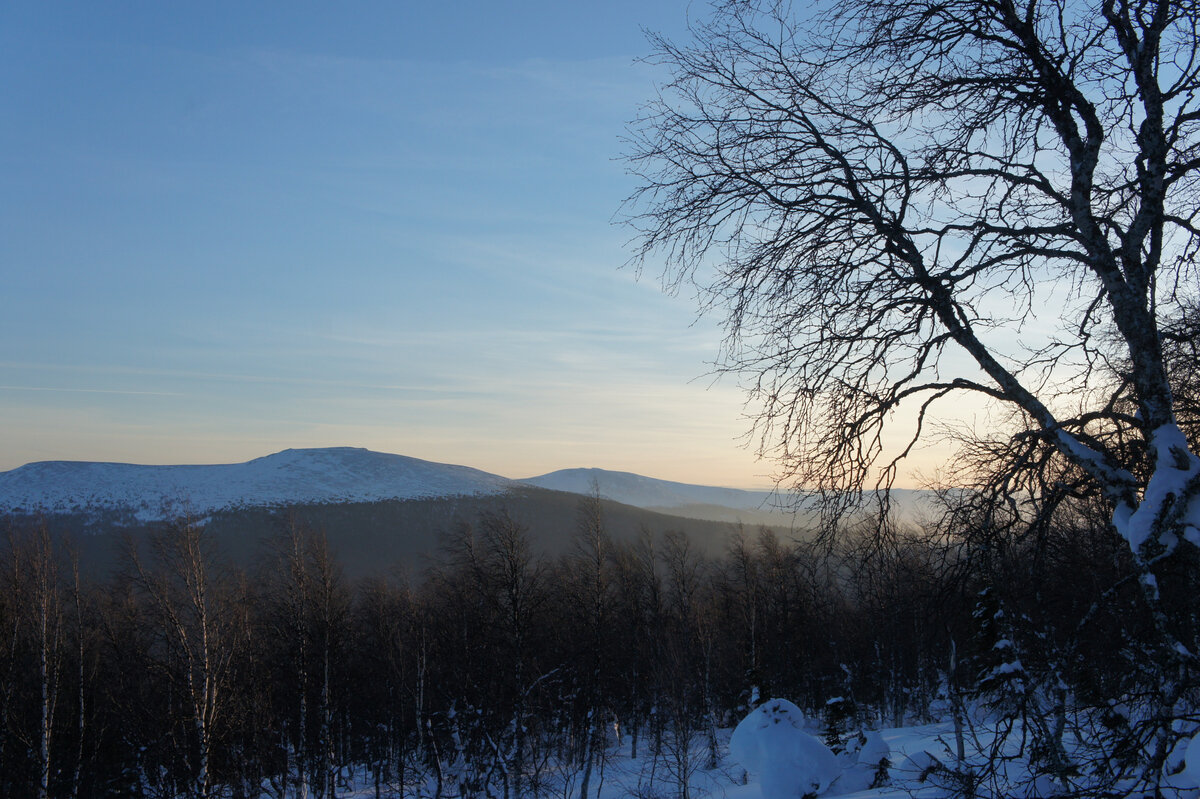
(130, 494)
(648, 492)
(336, 474)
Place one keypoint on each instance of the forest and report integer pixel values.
(972, 223)
(498, 671)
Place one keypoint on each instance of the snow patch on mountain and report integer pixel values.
(335, 474)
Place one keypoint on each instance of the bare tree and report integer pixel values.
(591, 593)
(289, 590)
(875, 193)
(330, 610)
(184, 592)
(35, 581)
(512, 581)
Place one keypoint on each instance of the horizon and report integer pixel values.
(759, 488)
(233, 230)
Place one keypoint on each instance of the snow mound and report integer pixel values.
(293, 476)
(1182, 769)
(865, 763)
(790, 762)
(1192, 760)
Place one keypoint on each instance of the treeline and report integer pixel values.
(499, 672)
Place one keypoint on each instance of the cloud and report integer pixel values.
(91, 391)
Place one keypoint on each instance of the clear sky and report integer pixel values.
(228, 228)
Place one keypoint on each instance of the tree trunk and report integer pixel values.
(587, 757)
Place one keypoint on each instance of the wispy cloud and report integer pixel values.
(92, 391)
(203, 376)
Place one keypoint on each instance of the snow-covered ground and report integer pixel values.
(622, 776)
(778, 753)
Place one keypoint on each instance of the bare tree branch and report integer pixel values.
(861, 194)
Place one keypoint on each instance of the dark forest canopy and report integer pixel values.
(496, 671)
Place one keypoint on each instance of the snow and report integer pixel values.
(865, 764)
(1175, 466)
(919, 765)
(1191, 768)
(624, 776)
(150, 493)
(1012, 667)
(790, 762)
(145, 493)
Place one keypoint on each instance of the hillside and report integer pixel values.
(142, 494)
(371, 538)
(714, 503)
(648, 492)
(380, 511)
(102, 495)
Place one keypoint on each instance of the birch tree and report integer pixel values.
(183, 591)
(877, 198)
(35, 583)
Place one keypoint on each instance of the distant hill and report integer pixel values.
(374, 538)
(714, 503)
(131, 494)
(379, 511)
(648, 492)
(143, 494)
(680, 499)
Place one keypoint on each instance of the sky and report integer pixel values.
(230, 228)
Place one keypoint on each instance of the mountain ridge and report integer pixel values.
(322, 475)
(378, 509)
(650, 492)
(144, 493)
(140, 493)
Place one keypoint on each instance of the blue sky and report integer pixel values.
(231, 228)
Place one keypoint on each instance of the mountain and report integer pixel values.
(379, 511)
(336, 475)
(711, 502)
(665, 496)
(130, 494)
(294, 476)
